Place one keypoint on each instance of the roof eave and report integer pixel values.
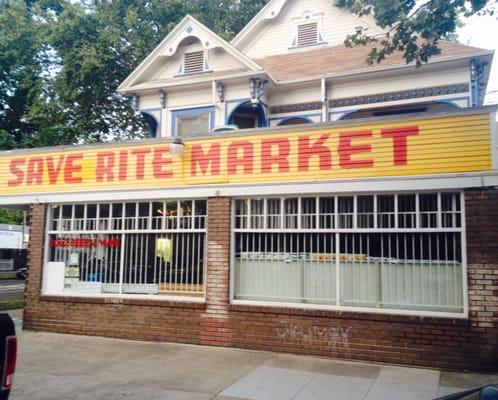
(487, 53)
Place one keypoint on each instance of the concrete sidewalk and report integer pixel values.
(52, 366)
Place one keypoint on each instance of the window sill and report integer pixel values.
(308, 45)
(311, 310)
(136, 300)
(193, 73)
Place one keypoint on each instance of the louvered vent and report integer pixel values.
(194, 62)
(307, 34)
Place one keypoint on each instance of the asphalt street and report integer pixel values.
(11, 289)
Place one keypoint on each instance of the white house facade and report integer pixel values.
(291, 198)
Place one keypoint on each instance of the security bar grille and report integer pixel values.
(396, 251)
(193, 62)
(130, 248)
(307, 34)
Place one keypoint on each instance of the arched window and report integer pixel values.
(151, 124)
(399, 110)
(248, 116)
(294, 121)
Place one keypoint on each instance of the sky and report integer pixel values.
(483, 32)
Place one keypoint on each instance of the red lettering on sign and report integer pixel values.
(54, 170)
(105, 167)
(123, 165)
(17, 172)
(268, 159)
(70, 168)
(140, 155)
(35, 171)
(246, 160)
(317, 149)
(158, 163)
(346, 150)
(85, 242)
(206, 161)
(400, 142)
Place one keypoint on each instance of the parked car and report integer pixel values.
(8, 355)
(488, 392)
(21, 273)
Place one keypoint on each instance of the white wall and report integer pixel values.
(277, 35)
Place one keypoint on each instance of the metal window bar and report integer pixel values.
(390, 261)
(119, 251)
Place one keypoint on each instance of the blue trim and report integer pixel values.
(192, 111)
(262, 119)
(159, 124)
(283, 120)
(304, 116)
(452, 101)
(342, 114)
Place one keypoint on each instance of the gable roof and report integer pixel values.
(270, 11)
(189, 26)
(341, 60)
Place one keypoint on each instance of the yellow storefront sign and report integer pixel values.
(434, 145)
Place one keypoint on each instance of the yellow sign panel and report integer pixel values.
(413, 147)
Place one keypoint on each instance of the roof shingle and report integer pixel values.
(341, 59)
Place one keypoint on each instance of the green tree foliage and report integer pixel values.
(10, 217)
(413, 27)
(62, 60)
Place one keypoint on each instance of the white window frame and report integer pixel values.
(122, 232)
(337, 231)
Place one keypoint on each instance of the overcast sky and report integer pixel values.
(483, 32)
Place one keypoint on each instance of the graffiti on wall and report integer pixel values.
(336, 338)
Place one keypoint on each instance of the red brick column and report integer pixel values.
(482, 257)
(35, 262)
(214, 324)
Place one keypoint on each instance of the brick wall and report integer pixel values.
(432, 342)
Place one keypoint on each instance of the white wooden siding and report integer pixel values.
(277, 35)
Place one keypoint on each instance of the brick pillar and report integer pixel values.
(35, 262)
(482, 258)
(214, 323)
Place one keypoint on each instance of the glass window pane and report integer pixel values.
(327, 212)
(291, 209)
(171, 215)
(428, 210)
(346, 208)
(385, 211)
(200, 214)
(273, 213)
(192, 124)
(241, 214)
(365, 212)
(186, 214)
(308, 211)
(157, 215)
(407, 211)
(257, 213)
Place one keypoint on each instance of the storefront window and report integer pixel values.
(148, 248)
(392, 252)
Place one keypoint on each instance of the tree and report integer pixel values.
(413, 27)
(62, 60)
(10, 217)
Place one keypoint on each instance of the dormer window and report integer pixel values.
(307, 34)
(193, 63)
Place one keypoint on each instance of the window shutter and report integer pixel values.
(307, 34)
(193, 62)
